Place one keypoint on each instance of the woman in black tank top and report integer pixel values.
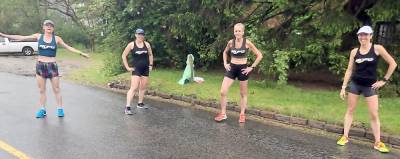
(142, 62)
(361, 73)
(238, 49)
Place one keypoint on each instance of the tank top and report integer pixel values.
(47, 49)
(364, 72)
(239, 52)
(140, 55)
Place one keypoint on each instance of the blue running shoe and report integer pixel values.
(60, 112)
(41, 113)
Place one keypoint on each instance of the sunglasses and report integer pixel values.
(363, 34)
(50, 25)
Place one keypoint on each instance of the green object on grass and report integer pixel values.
(188, 74)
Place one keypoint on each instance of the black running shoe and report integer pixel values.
(142, 106)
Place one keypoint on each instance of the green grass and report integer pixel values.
(311, 104)
(66, 55)
(320, 105)
(90, 72)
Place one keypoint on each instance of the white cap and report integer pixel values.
(48, 22)
(139, 31)
(365, 29)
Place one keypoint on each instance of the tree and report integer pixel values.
(19, 17)
(300, 36)
(87, 14)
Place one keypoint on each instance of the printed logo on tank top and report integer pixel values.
(361, 60)
(47, 47)
(235, 52)
(141, 52)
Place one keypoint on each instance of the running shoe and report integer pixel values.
(41, 113)
(381, 147)
(142, 106)
(60, 112)
(343, 141)
(220, 117)
(128, 111)
(242, 118)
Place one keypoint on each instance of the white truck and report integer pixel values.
(25, 47)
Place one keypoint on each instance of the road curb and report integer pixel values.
(281, 118)
(298, 121)
(316, 124)
(267, 114)
(357, 132)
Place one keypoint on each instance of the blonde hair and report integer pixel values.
(239, 25)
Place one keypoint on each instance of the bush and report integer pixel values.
(281, 65)
(388, 91)
(72, 35)
(113, 64)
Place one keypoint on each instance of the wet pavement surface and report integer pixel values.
(95, 126)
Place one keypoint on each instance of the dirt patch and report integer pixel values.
(25, 65)
(316, 80)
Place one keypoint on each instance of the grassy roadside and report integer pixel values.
(90, 71)
(311, 104)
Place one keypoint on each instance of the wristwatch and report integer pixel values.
(385, 80)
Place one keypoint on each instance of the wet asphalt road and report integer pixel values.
(95, 127)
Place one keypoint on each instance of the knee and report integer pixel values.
(224, 93)
(350, 110)
(243, 94)
(42, 90)
(142, 88)
(132, 90)
(374, 116)
(56, 90)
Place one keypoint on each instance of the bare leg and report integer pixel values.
(372, 103)
(55, 83)
(42, 90)
(226, 83)
(243, 96)
(348, 118)
(142, 88)
(131, 92)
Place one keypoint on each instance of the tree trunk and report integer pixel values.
(92, 44)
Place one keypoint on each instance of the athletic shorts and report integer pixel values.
(236, 72)
(141, 70)
(358, 89)
(47, 69)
